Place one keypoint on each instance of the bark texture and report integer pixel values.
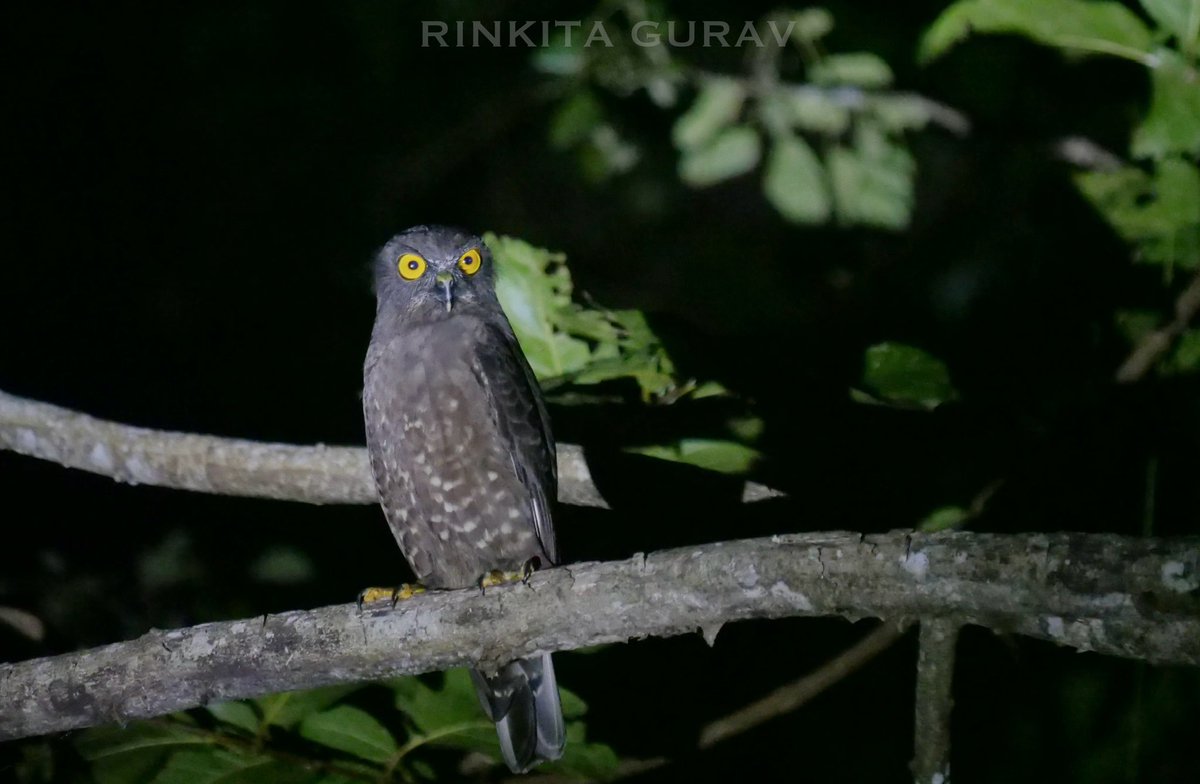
(316, 474)
(1116, 595)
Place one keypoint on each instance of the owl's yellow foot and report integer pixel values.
(393, 595)
(500, 577)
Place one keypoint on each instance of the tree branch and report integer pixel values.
(935, 676)
(229, 466)
(1156, 343)
(1116, 595)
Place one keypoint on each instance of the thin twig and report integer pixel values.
(788, 698)
(935, 675)
(1154, 344)
(1086, 154)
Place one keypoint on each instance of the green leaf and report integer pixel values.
(873, 182)
(573, 705)
(715, 108)
(593, 761)
(906, 374)
(213, 765)
(1172, 125)
(432, 709)
(534, 286)
(1156, 213)
(565, 342)
(812, 23)
(134, 753)
(337, 778)
(289, 708)
(449, 716)
(943, 519)
(646, 368)
(794, 182)
(858, 69)
(803, 107)
(1181, 18)
(746, 428)
(811, 109)
(606, 154)
(898, 113)
(351, 730)
(575, 120)
(727, 457)
(1177, 183)
(1185, 358)
(734, 151)
(239, 714)
(558, 59)
(1080, 25)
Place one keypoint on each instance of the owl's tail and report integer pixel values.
(522, 698)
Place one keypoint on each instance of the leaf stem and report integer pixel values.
(420, 740)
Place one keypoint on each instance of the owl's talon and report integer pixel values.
(500, 577)
(496, 577)
(393, 595)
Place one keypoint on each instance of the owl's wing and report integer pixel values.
(520, 415)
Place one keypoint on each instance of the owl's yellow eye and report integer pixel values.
(411, 266)
(470, 261)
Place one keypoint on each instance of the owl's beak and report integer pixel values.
(446, 281)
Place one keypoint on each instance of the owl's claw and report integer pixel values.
(500, 577)
(497, 577)
(396, 594)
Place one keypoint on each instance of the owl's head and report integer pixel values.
(434, 272)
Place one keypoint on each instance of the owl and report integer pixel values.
(461, 449)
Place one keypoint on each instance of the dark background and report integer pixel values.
(190, 199)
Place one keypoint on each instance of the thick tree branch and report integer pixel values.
(1116, 595)
(229, 466)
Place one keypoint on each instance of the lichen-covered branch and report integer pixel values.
(935, 676)
(229, 466)
(1117, 595)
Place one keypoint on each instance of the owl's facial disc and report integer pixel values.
(434, 273)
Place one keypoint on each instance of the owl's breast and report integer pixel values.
(446, 476)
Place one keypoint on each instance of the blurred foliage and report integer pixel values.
(943, 519)
(322, 737)
(728, 457)
(1182, 358)
(573, 345)
(1079, 25)
(905, 375)
(834, 144)
(566, 342)
(1154, 204)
